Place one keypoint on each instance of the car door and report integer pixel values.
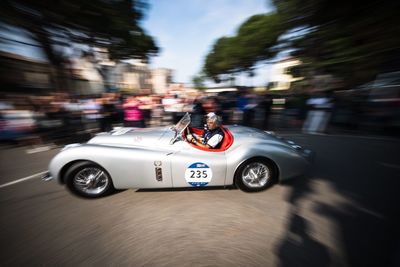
(138, 168)
(194, 167)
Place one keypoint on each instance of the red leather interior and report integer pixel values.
(226, 142)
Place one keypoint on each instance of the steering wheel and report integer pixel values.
(177, 135)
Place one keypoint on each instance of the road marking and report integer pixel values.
(23, 179)
(38, 149)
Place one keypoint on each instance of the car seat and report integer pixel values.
(226, 142)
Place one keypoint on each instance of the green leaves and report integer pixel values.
(353, 40)
(102, 23)
(198, 81)
(251, 44)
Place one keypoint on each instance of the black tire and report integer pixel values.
(98, 180)
(255, 185)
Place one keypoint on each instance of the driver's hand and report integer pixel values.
(189, 137)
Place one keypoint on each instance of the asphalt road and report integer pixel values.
(343, 213)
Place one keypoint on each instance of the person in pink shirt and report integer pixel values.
(133, 116)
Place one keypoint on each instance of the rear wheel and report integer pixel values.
(88, 179)
(255, 175)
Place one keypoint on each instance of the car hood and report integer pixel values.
(243, 134)
(143, 137)
(160, 137)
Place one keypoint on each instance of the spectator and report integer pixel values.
(249, 111)
(107, 114)
(265, 106)
(133, 115)
(319, 113)
(91, 114)
(197, 114)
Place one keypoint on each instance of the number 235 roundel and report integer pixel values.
(198, 174)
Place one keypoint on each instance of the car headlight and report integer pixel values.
(297, 147)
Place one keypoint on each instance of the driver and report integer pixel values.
(212, 137)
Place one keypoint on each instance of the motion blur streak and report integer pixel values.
(72, 69)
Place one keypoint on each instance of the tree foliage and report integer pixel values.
(198, 81)
(101, 23)
(110, 24)
(353, 40)
(251, 44)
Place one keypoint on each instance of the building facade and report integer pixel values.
(161, 80)
(131, 77)
(281, 78)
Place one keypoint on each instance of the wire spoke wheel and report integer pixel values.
(255, 175)
(89, 180)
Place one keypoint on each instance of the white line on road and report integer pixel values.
(22, 179)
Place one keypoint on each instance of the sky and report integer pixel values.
(186, 30)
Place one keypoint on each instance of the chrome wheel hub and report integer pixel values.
(256, 175)
(91, 180)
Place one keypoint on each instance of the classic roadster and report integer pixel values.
(248, 158)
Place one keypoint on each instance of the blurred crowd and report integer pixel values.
(61, 118)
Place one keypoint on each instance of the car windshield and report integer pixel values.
(182, 124)
(180, 127)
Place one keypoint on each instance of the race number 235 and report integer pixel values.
(198, 173)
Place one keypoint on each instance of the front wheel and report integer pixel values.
(87, 179)
(255, 175)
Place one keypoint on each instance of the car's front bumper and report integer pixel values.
(47, 177)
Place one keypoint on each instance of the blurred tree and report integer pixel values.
(253, 43)
(353, 40)
(110, 24)
(198, 81)
(221, 59)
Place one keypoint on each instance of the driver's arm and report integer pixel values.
(200, 144)
(192, 138)
(212, 143)
(195, 139)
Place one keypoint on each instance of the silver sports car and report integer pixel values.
(248, 158)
